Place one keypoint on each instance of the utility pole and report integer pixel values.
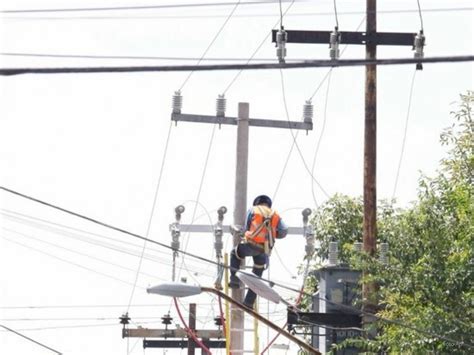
(370, 39)
(243, 122)
(192, 326)
(369, 289)
(240, 206)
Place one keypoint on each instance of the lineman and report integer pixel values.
(262, 226)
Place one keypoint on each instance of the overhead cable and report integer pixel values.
(405, 133)
(128, 8)
(152, 212)
(211, 43)
(338, 305)
(240, 67)
(32, 340)
(232, 81)
(249, 15)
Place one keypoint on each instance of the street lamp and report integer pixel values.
(174, 289)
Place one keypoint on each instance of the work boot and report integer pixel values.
(234, 282)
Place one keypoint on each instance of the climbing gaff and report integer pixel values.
(219, 245)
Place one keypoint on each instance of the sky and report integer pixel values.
(96, 144)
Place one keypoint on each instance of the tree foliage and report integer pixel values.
(428, 283)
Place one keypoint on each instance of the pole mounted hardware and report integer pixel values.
(175, 230)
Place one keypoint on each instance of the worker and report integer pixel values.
(262, 226)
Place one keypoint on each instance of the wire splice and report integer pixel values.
(334, 41)
(418, 47)
(281, 38)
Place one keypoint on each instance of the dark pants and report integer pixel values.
(238, 254)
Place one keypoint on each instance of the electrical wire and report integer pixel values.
(294, 138)
(211, 43)
(404, 135)
(123, 57)
(158, 184)
(115, 248)
(80, 253)
(256, 50)
(421, 16)
(70, 262)
(335, 14)
(128, 8)
(207, 16)
(340, 306)
(240, 67)
(320, 135)
(201, 184)
(83, 306)
(32, 340)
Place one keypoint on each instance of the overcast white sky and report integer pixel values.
(94, 144)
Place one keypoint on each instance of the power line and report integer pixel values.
(232, 81)
(397, 175)
(294, 139)
(128, 8)
(106, 225)
(158, 184)
(335, 14)
(212, 42)
(113, 247)
(341, 306)
(419, 13)
(240, 67)
(32, 340)
(69, 262)
(78, 253)
(131, 57)
(250, 15)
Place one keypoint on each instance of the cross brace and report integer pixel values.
(207, 228)
(322, 37)
(307, 126)
(181, 343)
(170, 333)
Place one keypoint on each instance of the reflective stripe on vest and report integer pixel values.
(263, 226)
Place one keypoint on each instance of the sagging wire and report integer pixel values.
(256, 50)
(405, 133)
(211, 43)
(294, 138)
(155, 198)
(320, 135)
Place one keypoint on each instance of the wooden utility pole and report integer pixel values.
(370, 155)
(192, 326)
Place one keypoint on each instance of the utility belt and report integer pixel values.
(265, 247)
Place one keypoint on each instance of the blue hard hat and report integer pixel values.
(262, 199)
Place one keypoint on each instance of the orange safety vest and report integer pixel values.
(263, 227)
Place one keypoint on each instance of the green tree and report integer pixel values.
(428, 283)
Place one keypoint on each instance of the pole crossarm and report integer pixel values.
(171, 333)
(307, 126)
(349, 37)
(207, 228)
(181, 343)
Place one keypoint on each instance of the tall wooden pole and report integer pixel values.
(192, 326)
(370, 155)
